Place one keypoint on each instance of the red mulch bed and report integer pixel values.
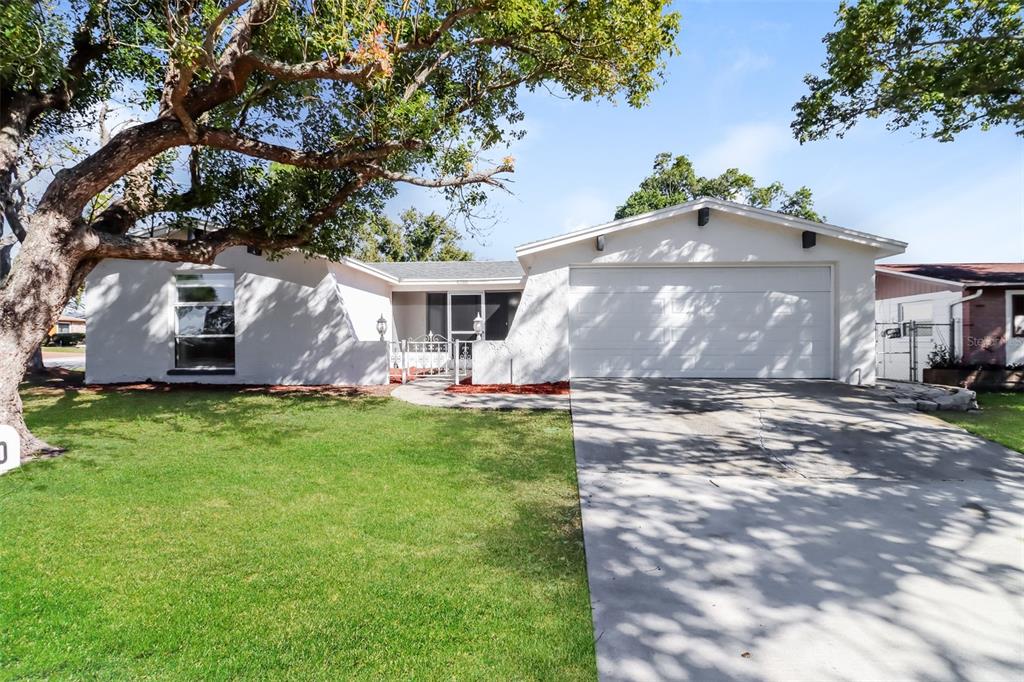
(550, 388)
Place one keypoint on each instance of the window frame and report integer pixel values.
(177, 305)
(1011, 295)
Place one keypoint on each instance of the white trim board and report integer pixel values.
(887, 246)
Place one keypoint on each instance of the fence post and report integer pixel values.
(456, 362)
(405, 365)
(913, 350)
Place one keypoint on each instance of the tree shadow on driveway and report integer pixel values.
(794, 530)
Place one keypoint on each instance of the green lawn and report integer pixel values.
(211, 534)
(1001, 418)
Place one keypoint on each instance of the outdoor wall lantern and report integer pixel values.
(478, 325)
(382, 327)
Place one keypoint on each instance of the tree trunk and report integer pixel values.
(31, 299)
(35, 363)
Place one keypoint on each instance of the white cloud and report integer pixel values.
(749, 147)
(746, 62)
(584, 208)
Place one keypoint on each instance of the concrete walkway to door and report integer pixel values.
(794, 531)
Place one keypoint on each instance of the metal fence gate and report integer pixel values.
(902, 349)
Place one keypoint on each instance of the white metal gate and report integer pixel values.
(903, 350)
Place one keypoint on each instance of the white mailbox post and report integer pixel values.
(10, 449)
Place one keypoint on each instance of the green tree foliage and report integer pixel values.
(674, 181)
(349, 97)
(941, 66)
(415, 237)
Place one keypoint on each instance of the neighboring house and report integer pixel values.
(709, 288)
(68, 324)
(975, 310)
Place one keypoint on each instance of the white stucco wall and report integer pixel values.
(291, 323)
(366, 298)
(538, 343)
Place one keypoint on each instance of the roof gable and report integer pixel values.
(885, 245)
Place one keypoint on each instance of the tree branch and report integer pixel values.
(324, 69)
(207, 247)
(479, 178)
(228, 141)
(446, 25)
(214, 30)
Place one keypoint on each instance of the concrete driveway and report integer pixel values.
(795, 531)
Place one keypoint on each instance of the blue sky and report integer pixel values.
(726, 102)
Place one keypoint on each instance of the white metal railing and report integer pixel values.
(463, 358)
(431, 354)
(428, 354)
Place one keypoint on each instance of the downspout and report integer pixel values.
(952, 320)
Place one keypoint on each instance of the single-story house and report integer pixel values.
(975, 310)
(708, 288)
(68, 324)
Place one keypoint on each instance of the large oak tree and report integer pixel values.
(274, 123)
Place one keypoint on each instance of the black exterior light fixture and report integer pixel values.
(809, 239)
(599, 242)
(703, 216)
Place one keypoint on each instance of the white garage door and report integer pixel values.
(747, 322)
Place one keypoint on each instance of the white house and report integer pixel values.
(709, 288)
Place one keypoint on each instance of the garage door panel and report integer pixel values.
(707, 321)
(597, 337)
(593, 303)
(697, 278)
(770, 303)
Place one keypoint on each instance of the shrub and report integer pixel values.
(66, 339)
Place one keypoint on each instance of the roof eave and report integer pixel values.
(441, 283)
(888, 247)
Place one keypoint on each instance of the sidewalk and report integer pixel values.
(429, 392)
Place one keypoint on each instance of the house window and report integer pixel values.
(63, 328)
(1017, 315)
(204, 320)
(437, 313)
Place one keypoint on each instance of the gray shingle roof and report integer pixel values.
(964, 273)
(451, 270)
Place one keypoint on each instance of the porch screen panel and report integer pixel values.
(500, 309)
(437, 314)
(465, 308)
